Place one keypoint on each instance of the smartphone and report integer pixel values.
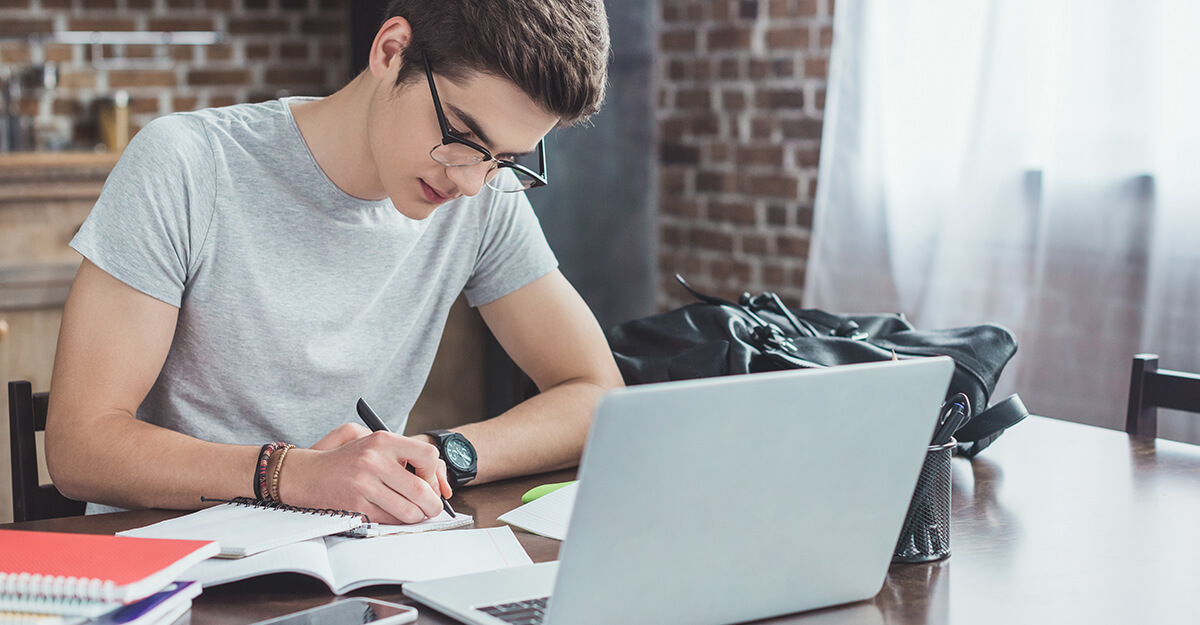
(349, 611)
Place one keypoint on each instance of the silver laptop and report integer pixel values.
(725, 500)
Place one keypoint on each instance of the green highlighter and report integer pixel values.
(544, 489)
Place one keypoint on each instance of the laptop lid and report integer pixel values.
(730, 499)
(738, 498)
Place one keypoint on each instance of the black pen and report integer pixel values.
(956, 416)
(377, 425)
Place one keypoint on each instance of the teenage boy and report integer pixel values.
(251, 271)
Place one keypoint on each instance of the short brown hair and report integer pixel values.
(555, 51)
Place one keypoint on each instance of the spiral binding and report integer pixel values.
(275, 505)
(56, 588)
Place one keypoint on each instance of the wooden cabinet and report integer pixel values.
(43, 200)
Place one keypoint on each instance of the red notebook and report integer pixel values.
(92, 567)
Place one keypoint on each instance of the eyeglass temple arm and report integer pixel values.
(437, 102)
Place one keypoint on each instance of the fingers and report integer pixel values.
(390, 478)
(407, 497)
(440, 482)
(429, 467)
(379, 514)
(428, 472)
(410, 495)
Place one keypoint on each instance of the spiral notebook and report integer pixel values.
(88, 575)
(244, 527)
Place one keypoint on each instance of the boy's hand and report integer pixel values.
(389, 477)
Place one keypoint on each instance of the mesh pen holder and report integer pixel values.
(926, 533)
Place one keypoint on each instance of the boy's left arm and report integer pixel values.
(549, 332)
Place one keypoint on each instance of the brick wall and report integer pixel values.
(742, 92)
(741, 98)
(271, 48)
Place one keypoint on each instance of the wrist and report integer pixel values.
(293, 478)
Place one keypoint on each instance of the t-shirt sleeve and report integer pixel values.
(149, 224)
(513, 251)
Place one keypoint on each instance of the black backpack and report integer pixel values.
(759, 333)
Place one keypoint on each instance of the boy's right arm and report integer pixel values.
(112, 345)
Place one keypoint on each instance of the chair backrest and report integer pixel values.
(1152, 388)
(32, 501)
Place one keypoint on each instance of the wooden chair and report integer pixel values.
(1152, 388)
(32, 501)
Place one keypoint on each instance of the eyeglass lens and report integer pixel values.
(506, 179)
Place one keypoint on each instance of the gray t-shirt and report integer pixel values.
(295, 299)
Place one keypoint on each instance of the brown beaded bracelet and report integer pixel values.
(273, 491)
(260, 472)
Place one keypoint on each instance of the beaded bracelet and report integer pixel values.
(260, 472)
(273, 492)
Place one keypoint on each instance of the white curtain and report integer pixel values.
(1034, 163)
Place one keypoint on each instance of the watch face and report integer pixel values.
(459, 454)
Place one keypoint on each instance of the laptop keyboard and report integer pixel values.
(530, 612)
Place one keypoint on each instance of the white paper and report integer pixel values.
(243, 530)
(420, 557)
(442, 521)
(548, 515)
(307, 557)
(345, 564)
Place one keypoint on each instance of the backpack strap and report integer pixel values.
(988, 425)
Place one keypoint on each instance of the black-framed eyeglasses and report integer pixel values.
(527, 171)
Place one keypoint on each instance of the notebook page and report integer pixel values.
(244, 530)
(418, 557)
(306, 557)
(442, 521)
(548, 515)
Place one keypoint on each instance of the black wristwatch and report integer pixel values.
(459, 455)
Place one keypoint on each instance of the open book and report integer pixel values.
(346, 564)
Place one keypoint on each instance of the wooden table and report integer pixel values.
(1055, 523)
